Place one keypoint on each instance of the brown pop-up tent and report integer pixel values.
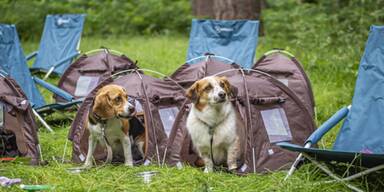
(90, 69)
(18, 130)
(283, 66)
(157, 104)
(271, 111)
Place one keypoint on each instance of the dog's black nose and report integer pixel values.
(222, 95)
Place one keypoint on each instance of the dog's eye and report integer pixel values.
(222, 84)
(118, 99)
(207, 88)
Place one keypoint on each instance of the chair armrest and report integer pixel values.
(327, 125)
(30, 56)
(63, 94)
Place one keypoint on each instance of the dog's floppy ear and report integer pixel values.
(192, 92)
(101, 104)
(226, 85)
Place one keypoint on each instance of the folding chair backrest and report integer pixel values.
(233, 39)
(363, 129)
(60, 40)
(12, 62)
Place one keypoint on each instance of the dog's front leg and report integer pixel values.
(233, 154)
(126, 142)
(109, 150)
(206, 156)
(91, 148)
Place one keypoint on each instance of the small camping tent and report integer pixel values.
(157, 104)
(18, 130)
(270, 110)
(90, 69)
(283, 66)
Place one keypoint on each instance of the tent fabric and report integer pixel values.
(233, 39)
(89, 70)
(60, 39)
(13, 62)
(157, 103)
(362, 128)
(18, 120)
(270, 110)
(290, 72)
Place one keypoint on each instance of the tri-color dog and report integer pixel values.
(108, 124)
(213, 123)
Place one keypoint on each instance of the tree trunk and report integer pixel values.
(202, 8)
(236, 9)
(229, 9)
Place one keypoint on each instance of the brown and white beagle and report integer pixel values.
(213, 122)
(109, 124)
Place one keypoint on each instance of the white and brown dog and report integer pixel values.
(108, 124)
(213, 123)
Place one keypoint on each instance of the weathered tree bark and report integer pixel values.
(236, 9)
(202, 8)
(229, 9)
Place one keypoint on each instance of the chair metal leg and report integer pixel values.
(48, 73)
(329, 172)
(294, 165)
(357, 175)
(45, 124)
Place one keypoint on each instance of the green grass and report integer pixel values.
(333, 88)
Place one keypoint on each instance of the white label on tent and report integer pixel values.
(276, 124)
(243, 167)
(85, 84)
(81, 157)
(1, 115)
(270, 152)
(168, 116)
(284, 81)
(147, 162)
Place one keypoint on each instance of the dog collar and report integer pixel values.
(97, 119)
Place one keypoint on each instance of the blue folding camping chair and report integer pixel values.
(14, 64)
(361, 137)
(234, 41)
(59, 43)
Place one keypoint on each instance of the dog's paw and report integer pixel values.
(208, 170)
(128, 164)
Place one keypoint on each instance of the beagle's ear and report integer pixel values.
(102, 105)
(192, 92)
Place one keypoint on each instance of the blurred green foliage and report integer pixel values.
(331, 22)
(104, 17)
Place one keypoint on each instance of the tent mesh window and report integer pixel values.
(8, 147)
(85, 84)
(168, 116)
(276, 124)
